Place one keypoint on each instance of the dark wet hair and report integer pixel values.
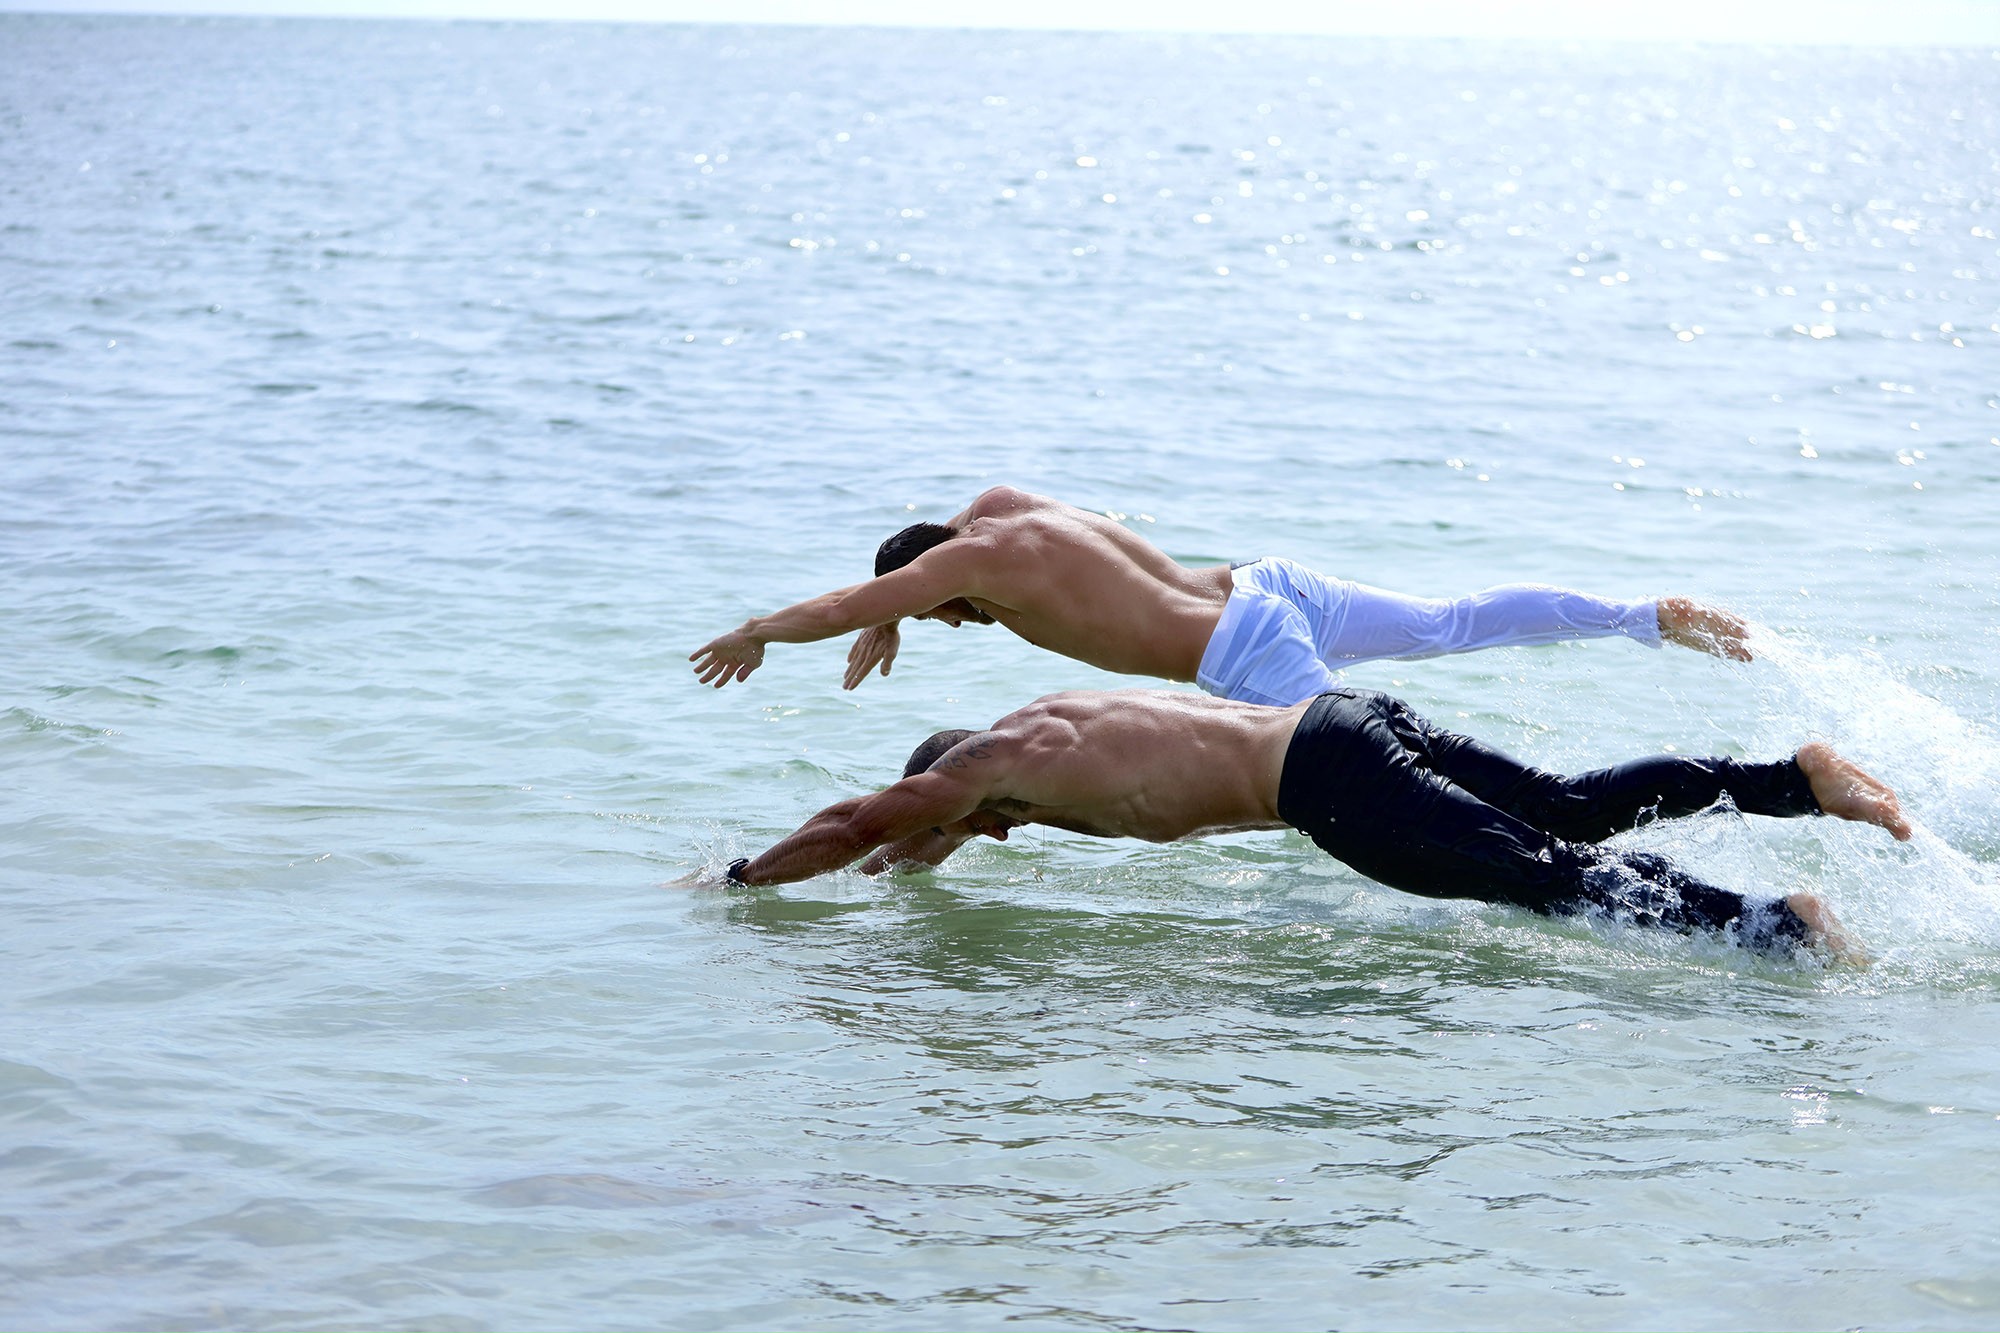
(908, 544)
(933, 750)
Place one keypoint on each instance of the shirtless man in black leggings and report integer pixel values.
(1403, 802)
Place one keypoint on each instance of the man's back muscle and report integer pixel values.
(1151, 764)
(1081, 585)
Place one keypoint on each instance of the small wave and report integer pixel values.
(27, 722)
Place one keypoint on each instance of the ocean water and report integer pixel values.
(387, 410)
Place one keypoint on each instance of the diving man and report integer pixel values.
(1270, 631)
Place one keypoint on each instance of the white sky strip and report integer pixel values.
(1834, 22)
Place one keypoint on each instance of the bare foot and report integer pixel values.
(1825, 931)
(1845, 792)
(1692, 625)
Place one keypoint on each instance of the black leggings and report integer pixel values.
(1427, 811)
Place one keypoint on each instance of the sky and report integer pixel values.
(1845, 22)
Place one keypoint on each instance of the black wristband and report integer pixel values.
(735, 872)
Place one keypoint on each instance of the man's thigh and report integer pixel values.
(1417, 831)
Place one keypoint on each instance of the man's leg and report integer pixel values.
(1374, 623)
(1436, 839)
(1356, 787)
(1592, 806)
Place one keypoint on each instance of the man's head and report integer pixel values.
(933, 749)
(912, 542)
(908, 544)
(987, 823)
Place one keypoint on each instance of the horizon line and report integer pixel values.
(1916, 23)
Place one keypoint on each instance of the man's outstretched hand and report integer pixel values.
(873, 647)
(1692, 625)
(733, 656)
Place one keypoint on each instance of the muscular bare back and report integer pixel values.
(1081, 585)
(1152, 764)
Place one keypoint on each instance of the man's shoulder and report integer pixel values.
(1062, 719)
(1035, 520)
(990, 537)
(1004, 499)
(980, 759)
(1006, 505)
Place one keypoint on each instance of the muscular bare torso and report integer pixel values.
(1151, 764)
(1081, 585)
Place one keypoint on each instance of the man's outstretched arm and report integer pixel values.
(846, 830)
(931, 580)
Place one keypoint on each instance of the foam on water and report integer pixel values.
(1929, 908)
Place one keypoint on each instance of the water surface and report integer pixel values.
(386, 410)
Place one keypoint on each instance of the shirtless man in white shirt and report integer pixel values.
(1268, 632)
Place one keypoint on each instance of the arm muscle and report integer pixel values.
(842, 832)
